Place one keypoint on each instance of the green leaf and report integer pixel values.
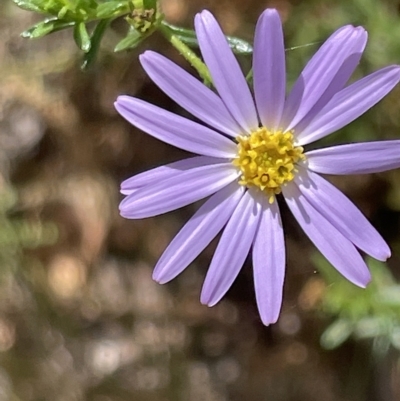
(81, 37)
(130, 41)
(188, 36)
(149, 4)
(45, 27)
(336, 334)
(62, 13)
(95, 40)
(370, 327)
(111, 9)
(28, 5)
(239, 46)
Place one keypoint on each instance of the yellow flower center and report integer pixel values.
(267, 160)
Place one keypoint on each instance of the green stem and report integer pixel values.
(188, 54)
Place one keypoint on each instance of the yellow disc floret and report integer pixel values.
(267, 160)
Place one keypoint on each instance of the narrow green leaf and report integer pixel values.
(62, 13)
(96, 38)
(336, 334)
(130, 41)
(28, 5)
(371, 327)
(188, 36)
(45, 27)
(111, 9)
(239, 46)
(81, 37)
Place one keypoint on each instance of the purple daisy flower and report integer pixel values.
(252, 150)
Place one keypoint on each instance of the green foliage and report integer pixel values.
(149, 4)
(29, 5)
(112, 9)
(95, 40)
(371, 313)
(81, 36)
(70, 10)
(143, 17)
(68, 13)
(143, 22)
(188, 37)
(130, 41)
(45, 27)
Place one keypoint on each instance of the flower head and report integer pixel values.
(251, 150)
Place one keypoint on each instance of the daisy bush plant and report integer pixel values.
(250, 150)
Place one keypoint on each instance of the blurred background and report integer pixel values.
(81, 318)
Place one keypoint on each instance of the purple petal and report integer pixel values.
(342, 213)
(340, 79)
(339, 251)
(356, 158)
(197, 233)
(350, 103)
(319, 72)
(177, 191)
(189, 92)
(232, 250)
(164, 172)
(225, 71)
(269, 68)
(173, 129)
(269, 262)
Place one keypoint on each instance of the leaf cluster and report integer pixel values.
(372, 313)
(89, 20)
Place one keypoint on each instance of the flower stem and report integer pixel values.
(188, 54)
